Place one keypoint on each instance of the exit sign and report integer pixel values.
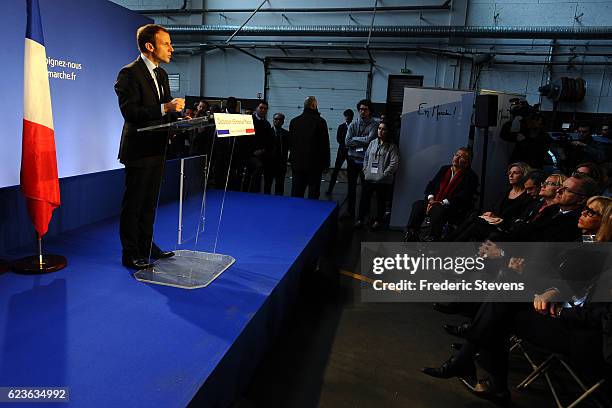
(406, 71)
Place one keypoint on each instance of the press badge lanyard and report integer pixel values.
(374, 167)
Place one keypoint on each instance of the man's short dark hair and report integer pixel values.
(146, 34)
(587, 186)
(537, 176)
(279, 114)
(367, 103)
(349, 113)
(261, 101)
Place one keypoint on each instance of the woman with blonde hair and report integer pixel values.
(510, 205)
(590, 221)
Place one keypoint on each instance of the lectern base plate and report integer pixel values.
(186, 270)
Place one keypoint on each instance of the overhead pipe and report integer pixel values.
(446, 6)
(469, 46)
(565, 32)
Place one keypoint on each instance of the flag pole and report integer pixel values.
(40, 257)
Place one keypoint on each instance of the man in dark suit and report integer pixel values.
(449, 196)
(557, 222)
(144, 100)
(309, 145)
(276, 160)
(342, 153)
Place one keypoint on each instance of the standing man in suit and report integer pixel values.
(276, 163)
(342, 150)
(309, 145)
(144, 100)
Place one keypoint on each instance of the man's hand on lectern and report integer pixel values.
(175, 105)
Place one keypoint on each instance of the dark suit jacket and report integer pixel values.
(309, 142)
(279, 148)
(341, 135)
(462, 199)
(551, 226)
(140, 106)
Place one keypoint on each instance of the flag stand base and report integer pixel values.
(30, 265)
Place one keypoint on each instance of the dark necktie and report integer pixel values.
(158, 76)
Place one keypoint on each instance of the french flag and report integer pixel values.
(39, 179)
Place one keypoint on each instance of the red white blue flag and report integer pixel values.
(39, 180)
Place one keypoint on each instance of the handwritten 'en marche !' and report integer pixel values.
(435, 112)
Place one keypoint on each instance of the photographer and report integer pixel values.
(526, 130)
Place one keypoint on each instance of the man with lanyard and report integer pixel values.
(358, 136)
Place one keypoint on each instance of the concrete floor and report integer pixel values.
(339, 352)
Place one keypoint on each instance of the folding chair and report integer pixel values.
(544, 367)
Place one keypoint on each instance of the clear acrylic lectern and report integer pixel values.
(182, 203)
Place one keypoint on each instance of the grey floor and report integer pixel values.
(339, 352)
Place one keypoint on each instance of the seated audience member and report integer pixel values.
(380, 163)
(605, 131)
(574, 328)
(533, 182)
(593, 171)
(510, 205)
(590, 218)
(585, 149)
(556, 222)
(449, 196)
(545, 197)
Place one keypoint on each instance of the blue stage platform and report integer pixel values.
(116, 342)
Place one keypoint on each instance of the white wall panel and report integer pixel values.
(335, 91)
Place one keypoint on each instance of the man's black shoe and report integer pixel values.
(453, 368)
(159, 254)
(487, 389)
(457, 331)
(133, 262)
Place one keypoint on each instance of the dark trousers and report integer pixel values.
(340, 158)
(252, 178)
(382, 192)
(495, 322)
(473, 229)
(275, 174)
(354, 171)
(304, 179)
(138, 209)
(438, 216)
